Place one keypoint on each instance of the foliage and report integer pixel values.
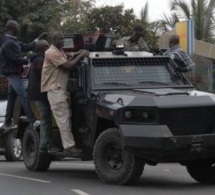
(144, 13)
(150, 28)
(152, 36)
(112, 19)
(167, 23)
(73, 15)
(120, 22)
(33, 16)
(201, 11)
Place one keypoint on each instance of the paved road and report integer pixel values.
(79, 178)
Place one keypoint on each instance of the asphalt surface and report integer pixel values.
(79, 178)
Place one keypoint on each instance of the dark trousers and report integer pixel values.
(16, 87)
(45, 124)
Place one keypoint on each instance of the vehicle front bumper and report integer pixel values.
(156, 143)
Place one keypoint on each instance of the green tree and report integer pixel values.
(112, 19)
(168, 23)
(144, 14)
(73, 15)
(201, 11)
(40, 16)
(33, 16)
(120, 22)
(150, 28)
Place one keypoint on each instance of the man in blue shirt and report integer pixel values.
(176, 53)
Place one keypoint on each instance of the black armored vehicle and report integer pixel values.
(132, 109)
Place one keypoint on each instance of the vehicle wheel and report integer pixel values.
(13, 149)
(114, 165)
(203, 172)
(33, 159)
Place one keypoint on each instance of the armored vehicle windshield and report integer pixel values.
(138, 71)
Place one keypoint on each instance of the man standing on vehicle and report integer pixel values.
(176, 53)
(40, 99)
(55, 75)
(11, 66)
(135, 42)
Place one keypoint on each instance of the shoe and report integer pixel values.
(8, 127)
(54, 149)
(36, 124)
(73, 151)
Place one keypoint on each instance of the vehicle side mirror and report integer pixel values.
(72, 85)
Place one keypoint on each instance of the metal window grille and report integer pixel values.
(110, 73)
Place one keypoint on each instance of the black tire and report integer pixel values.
(33, 159)
(113, 164)
(13, 147)
(203, 171)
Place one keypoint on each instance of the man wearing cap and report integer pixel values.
(135, 42)
(11, 66)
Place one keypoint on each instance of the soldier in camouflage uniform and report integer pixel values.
(182, 60)
(135, 42)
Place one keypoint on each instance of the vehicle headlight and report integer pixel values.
(138, 115)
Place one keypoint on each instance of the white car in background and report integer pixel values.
(9, 146)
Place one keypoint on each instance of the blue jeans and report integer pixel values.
(45, 124)
(15, 87)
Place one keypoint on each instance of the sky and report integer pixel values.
(156, 7)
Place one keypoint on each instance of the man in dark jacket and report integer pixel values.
(11, 65)
(40, 99)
